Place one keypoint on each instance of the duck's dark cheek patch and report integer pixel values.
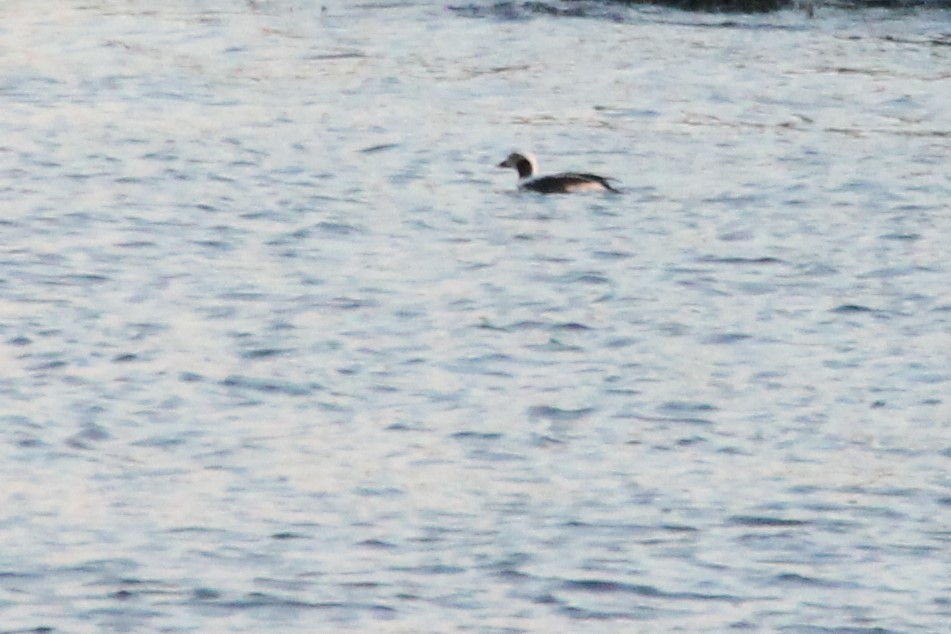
(524, 168)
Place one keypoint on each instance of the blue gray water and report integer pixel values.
(283, 351)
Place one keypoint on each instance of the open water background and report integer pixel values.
(283, 351)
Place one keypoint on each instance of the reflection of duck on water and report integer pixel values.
(567, 182)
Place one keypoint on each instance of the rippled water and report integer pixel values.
(284, 351)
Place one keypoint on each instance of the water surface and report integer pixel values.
(283, 351)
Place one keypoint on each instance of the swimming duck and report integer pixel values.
(564, 183)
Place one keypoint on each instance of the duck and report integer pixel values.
(564, 183)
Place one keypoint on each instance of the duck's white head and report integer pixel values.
(524, 164)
